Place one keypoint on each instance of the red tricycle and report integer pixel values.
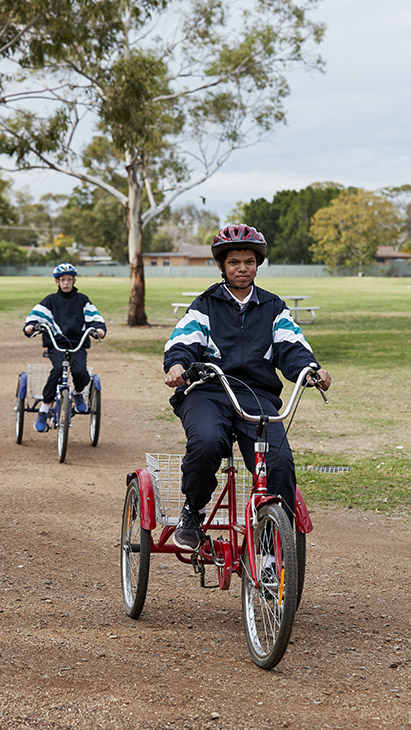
(260, 545)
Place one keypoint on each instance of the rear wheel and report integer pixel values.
(19, 419)
(269, 608)
(300, 549)
(95, 415)
(135, 553)
(63, 425)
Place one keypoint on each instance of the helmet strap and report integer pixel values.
(227, 282)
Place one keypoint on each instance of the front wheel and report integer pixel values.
(95, 415)
(135, 553)
(269, 608)
(63, 425)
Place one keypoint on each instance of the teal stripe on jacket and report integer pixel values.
(41, 315)
(190, 328)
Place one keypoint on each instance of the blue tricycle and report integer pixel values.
(62, 409)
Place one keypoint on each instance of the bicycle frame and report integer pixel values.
(64, 385)
(225, 554)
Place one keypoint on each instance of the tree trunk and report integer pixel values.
(136, 310)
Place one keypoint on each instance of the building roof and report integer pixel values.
(389, 252)
(186, 250)
(192, 250)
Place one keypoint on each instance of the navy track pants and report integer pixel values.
(208, 419)
(78, 367)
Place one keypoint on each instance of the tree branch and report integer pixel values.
(17, 37)
(149, 191)
(157, 209)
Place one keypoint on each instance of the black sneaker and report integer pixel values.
(188, 534)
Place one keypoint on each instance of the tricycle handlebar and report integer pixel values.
(200, 372)
(44, 327)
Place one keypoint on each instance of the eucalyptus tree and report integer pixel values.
(173, 87)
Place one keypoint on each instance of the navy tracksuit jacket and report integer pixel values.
(249, 345)
(68, 314)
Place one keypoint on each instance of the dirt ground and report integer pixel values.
(71, 659)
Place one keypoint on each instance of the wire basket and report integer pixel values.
(165, 473)
(37, 377)
(37, 374)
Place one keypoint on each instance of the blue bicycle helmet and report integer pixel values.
(65, 268)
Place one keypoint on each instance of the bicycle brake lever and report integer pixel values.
(316, 380)
(324, 397)
(196, 382)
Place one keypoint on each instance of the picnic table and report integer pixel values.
(179, 305)
(296, 307)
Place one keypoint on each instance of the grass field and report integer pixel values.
(362, 336)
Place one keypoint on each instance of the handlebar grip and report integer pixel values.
(197, 371)
(192, 373)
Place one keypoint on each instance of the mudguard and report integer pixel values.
(302, 518)
(148, 506)
(96, 382)
(22, 386)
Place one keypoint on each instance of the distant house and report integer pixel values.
(85, 255)
(388, 254)
(187, 255)
(89, 255)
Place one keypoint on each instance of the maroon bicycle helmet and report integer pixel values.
(238, 236)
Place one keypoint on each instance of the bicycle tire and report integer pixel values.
(19, 419)
(95, 415)
(269, 609)
(63, 425)
(300, 550)
(135, 553)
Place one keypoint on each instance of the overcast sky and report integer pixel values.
(350, 125)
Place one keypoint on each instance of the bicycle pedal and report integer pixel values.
(197, 566)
